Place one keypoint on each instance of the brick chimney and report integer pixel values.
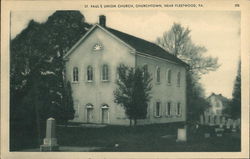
(102, 20)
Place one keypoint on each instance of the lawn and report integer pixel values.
(144, 139)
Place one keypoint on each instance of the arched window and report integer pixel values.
(169, 76)
(158, 75)
(90, 73)
(75, 74)
(178, 79)
(145, 70)
(89, 106)
(105, 73)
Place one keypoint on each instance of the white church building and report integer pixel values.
(91, 67)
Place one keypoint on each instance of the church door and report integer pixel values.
(105, 114)
(89, 115)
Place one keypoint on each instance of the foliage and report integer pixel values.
(178, 41)
(234, 109)
(133, 92)
(37, 86)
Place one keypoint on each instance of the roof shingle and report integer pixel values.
(145, 47)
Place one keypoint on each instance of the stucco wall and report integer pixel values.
(98, 92)
(163, 91)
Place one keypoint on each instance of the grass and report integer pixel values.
(143, 139)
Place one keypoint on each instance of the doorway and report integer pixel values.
(105, 114)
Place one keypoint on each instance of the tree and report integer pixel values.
(133, 92)
(235, 103)
(178, 42)
(37, 83)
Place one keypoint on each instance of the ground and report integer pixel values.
(151, 138)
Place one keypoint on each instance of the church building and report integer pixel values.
(91, 67)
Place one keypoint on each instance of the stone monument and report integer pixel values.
(50, 141)
(182, 134)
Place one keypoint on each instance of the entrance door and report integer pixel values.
(89, 115)
(105, 115)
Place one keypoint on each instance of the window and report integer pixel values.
(158, 75)
(90, 73)
(169, 76)
(178, 79)
(178, 109)
(157, 109)
(168, 112)
(75, 74)
(145, 69)
(105, 73)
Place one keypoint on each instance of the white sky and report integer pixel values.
(218, 31)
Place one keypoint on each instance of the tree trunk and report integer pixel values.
(135, 122)
(130, 122)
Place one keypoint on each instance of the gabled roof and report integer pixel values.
(224, 100)
(140, 45)
(145, 47)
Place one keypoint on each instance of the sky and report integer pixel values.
(218, 31)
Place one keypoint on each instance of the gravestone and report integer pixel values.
(182, 134)
(234, 126)
(207, 135)
(228, 123)
(201, 119)
(50, 141)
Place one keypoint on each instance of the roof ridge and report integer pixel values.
(160, 52)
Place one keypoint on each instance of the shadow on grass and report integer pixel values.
(143, 139)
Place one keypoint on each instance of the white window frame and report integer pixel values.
(169, 111)
(105, 73)
(75, 75)
(87, 73)
(169, 76)
(156, 75)
(178, 106)
(145, 70)
(157, 115)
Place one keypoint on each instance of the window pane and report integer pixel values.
(157, 108)
(178, 109)
(75, 74)
(89, 73)
(105, 72)
(169, 109)
(158, 75)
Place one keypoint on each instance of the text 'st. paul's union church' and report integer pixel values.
(91, 67)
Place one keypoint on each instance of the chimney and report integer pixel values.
(102, 20)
